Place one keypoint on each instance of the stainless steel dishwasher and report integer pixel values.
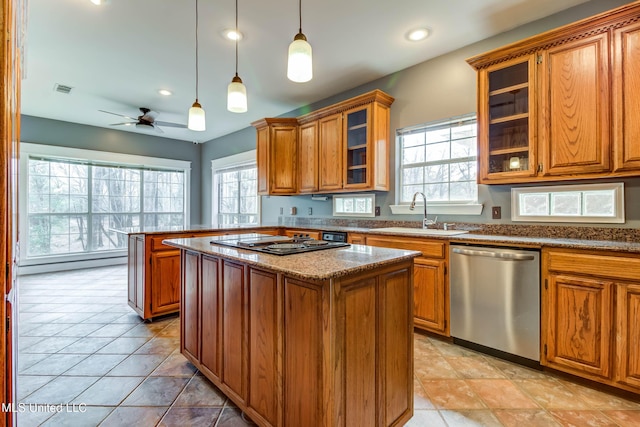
(495, 299)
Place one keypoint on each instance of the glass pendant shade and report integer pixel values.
(237, 96)
(196, 117)
(300, 68)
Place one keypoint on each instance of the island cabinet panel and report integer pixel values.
(211, 325)
(296, 351)
(304, 370)
(234, 347)
(396, 352)
(359, 383)
(190, 301)
(263, 345)
(628, 312)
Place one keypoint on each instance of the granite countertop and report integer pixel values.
(318, 265)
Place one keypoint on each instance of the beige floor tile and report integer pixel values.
(470, 418)
(425, 417)
(624, 418)
(474, 367)
(433, 368)
(551, 394)
(526, 418)
(501, 394)
(582, 418)
(600, 400)
(452, 394)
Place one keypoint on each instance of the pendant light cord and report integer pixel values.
(237, 37)
(196, 50)
(300, 13)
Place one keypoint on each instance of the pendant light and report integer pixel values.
(236, 91)
(300, 68)
(196, 113)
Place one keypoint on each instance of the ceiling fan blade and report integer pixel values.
(170, 124)
(158, 129)
(116, 114)
(123, 123)
(148, 115)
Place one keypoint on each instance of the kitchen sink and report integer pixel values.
(420, 231)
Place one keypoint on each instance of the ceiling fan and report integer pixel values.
(147, 120)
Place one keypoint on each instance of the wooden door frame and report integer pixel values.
(11, 14)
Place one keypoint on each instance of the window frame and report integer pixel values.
(370, 196)
(87, 156)
(236, 160)
(617, 187)
(463, 207)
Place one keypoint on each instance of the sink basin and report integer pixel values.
(420, 231)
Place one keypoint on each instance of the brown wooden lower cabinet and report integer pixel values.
(590, 315)
(430, 280)
(296, 352)
(154, 269)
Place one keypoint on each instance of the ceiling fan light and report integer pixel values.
(197, 120)
(237, 96)
(300, 65)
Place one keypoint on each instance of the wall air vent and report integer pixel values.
(62, 88)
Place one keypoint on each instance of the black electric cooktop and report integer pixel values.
(281, 245)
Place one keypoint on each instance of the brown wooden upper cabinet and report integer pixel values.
(340, 148)
(548, 109)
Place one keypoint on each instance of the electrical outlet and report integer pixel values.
(309, 211)
(496, 212)
(293, 210)
(377, 211)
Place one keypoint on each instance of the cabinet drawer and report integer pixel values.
(430, 249)
(156, 241)
(616, 267)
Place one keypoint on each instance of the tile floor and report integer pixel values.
(80, 344)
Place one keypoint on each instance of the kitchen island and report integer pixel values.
(316, 339)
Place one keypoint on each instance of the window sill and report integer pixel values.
(449, 209)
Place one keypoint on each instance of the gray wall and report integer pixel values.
(64, 134)
(439, 88)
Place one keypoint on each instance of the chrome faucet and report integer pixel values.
(425, 222)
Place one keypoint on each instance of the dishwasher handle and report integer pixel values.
(491, 254)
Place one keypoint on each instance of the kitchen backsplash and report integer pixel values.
(546, 231)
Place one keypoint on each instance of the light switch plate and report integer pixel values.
(496, 212)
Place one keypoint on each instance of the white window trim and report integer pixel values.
(618, 187)
(443, 208)
(87, 155)
(440, 209)
(240, 159)
(353, 196)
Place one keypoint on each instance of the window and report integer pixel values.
(439, 160)
(75, 206)
(235, 184)
(601, 203)
(354, 205)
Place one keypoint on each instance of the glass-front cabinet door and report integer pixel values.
(357, 125)
(506, 126)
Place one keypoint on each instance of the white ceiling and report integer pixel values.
(117, 56)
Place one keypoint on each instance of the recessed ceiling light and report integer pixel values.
(417, 34)
(231, 34)
(99, 2)
(165, 92)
